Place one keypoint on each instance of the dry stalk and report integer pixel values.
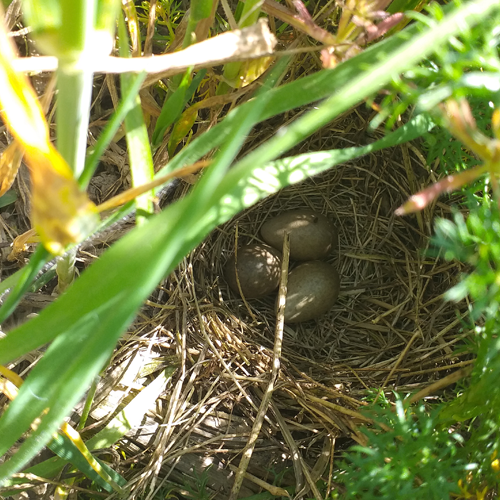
(266, 400)
(441, 384)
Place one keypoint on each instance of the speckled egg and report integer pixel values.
(313, 288)
(312, 236)
(258, 268)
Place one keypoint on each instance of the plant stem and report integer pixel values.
(74, 98)
(73, 108)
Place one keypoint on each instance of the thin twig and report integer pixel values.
(266, 400)
(441, 384)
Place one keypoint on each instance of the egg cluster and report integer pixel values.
(313, 286)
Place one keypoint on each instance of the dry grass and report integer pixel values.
(390, 328)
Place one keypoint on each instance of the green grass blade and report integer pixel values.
(109, 131)
(89, 400)
(72, 115)
(76, 355)
(8, 198)
(131, 416)
(106, 477)
(199, 10)
(245, 184)
(24, 280)
(85, 342)
(402, 5)
(107, 11)
(171, 109)
(174, 104)
(249, 14)
(74, 84)
(42, 18)
(139, 150)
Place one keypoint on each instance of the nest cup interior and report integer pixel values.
(390, 328)
(391, 288)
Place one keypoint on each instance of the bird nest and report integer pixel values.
(390, 329)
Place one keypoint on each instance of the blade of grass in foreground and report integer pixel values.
(130, 417)
(64, 370)
(87, 321)
(139, 150)
(95, 469)
(80, 350)
(26, 275)
(25, 278)
(109, 131)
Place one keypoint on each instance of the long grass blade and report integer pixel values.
(130, 417)
(109, 131)
(24, 279)
(80, 351)
(139, 149)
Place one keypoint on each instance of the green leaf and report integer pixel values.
(86, 333)
(181, 128)
(175, 103)
(139, 150)
(45, 19)
(108, 479)
(402, 5)
(131, 416)
(107, 12)
(172, 109)
(8, 198)
(21, 281)
(112, 126)
(200, 9)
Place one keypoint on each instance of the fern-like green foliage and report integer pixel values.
(450, 448)
(440, 145)
(475, 241)
(416, 459)
(468, 67)
(168, 16)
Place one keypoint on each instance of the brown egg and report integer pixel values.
(312, 236)
(313, 288)
(258, 267)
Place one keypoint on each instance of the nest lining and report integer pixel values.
(389, 286)
(390, 328)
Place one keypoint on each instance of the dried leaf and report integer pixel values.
(10, 161)
(449, 183)
(251, 70)
(181, 128)
(61, 213)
